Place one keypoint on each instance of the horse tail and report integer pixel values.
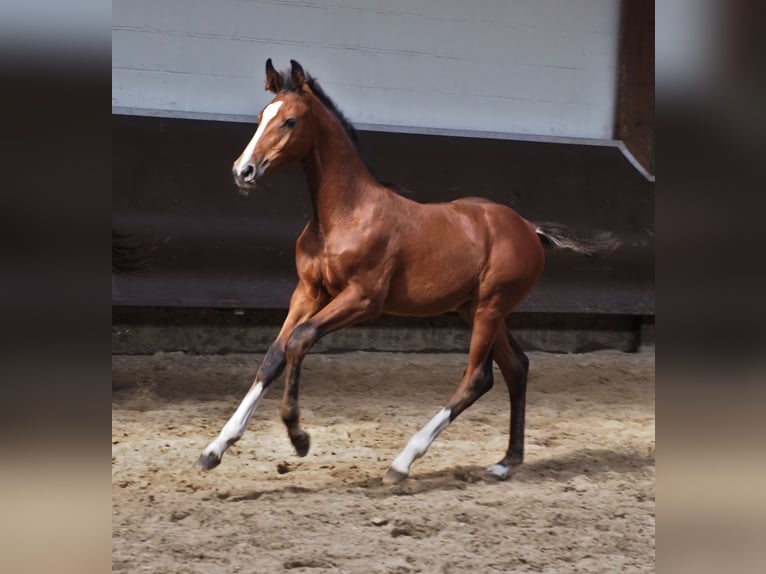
(560, 236)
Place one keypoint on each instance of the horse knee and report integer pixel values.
(300, 341)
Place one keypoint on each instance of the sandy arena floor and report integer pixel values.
(583, 501)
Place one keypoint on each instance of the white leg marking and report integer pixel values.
(268, 114)
(500, 471)
(420, 441)
(235, 426)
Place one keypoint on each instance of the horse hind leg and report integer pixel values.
(476, 381)
(514, 365)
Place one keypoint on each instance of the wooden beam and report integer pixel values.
(635, 92)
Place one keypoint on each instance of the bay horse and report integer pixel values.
(367, 250)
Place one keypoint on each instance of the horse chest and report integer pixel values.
(332, 280)
(337, 269)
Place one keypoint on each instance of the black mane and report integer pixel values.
(289, 86)
(316, 89)
(330, 105)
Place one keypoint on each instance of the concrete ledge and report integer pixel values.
(138, 331)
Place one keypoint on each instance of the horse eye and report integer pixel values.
(290, 122)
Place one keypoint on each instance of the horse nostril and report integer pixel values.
(247, 171)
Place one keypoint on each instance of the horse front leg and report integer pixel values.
(349, 307)
(304, 303)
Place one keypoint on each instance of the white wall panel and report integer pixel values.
(543, 67)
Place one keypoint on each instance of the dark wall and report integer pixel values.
(200, 244)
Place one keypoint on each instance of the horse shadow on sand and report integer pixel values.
(587, 462)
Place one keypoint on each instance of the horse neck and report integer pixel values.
(337, 177)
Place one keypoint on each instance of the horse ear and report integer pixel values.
(296, 71)
(274, 80)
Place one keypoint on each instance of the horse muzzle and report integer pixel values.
(246, 176)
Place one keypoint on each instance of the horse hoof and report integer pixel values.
(301, 442)
(501, 471)
(393, 476)
(208, 461)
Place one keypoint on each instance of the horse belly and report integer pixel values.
(434, 288)
(424, 306)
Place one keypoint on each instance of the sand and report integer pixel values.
(582, 502)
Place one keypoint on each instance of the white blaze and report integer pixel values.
(268, 114)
